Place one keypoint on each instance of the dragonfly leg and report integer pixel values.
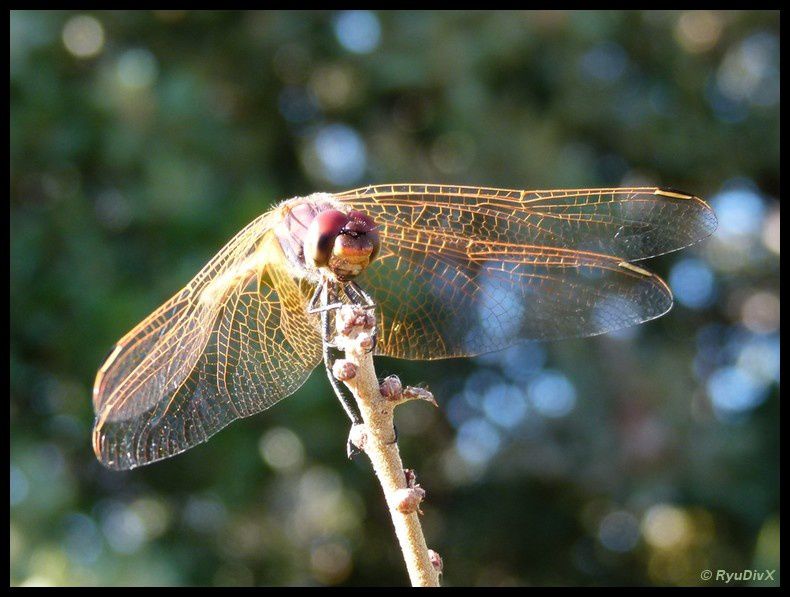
(312, 306)
(358, 296)
(316, 305)
(325, 308)
(348, 404)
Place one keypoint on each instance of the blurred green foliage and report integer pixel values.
(141, 141)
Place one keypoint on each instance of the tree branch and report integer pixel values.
(377, 438)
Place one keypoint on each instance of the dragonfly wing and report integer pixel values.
(435, 301)
(464, 270)
(632, 223)
(235, 341)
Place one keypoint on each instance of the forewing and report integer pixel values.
(235, 341)
(631, 223)
(463, 271)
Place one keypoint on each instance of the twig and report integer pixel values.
(377, 438)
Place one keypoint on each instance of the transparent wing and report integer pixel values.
(467, 270)
(631, 223)
(235, 341)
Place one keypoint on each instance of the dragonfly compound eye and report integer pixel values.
(321, 235)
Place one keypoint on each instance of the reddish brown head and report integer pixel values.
(345, 244)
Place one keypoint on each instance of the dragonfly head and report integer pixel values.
(343, 243)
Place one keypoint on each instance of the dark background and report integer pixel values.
(142, 141)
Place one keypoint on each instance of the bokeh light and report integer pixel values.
(692, 282)
(666, 527)
(739, 209)
(83, 36)
(760, 312)
(281, 449)
(504, 405)
(619, 531)
(750, 72)
(699, 30)
(734, 391)
(337, 153)
(123, 528)
(477, 441)
(552, 394)
(358, 31)
(771, 232)
(137, 69)
(759, 357)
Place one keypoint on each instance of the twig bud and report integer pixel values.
(408, 499)
(350, 317)
(391, 387)
(358, 436)
(364, 342)
(344, 370)
(436, 561)
(355, 328)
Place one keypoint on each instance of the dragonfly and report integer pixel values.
(450, 271)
